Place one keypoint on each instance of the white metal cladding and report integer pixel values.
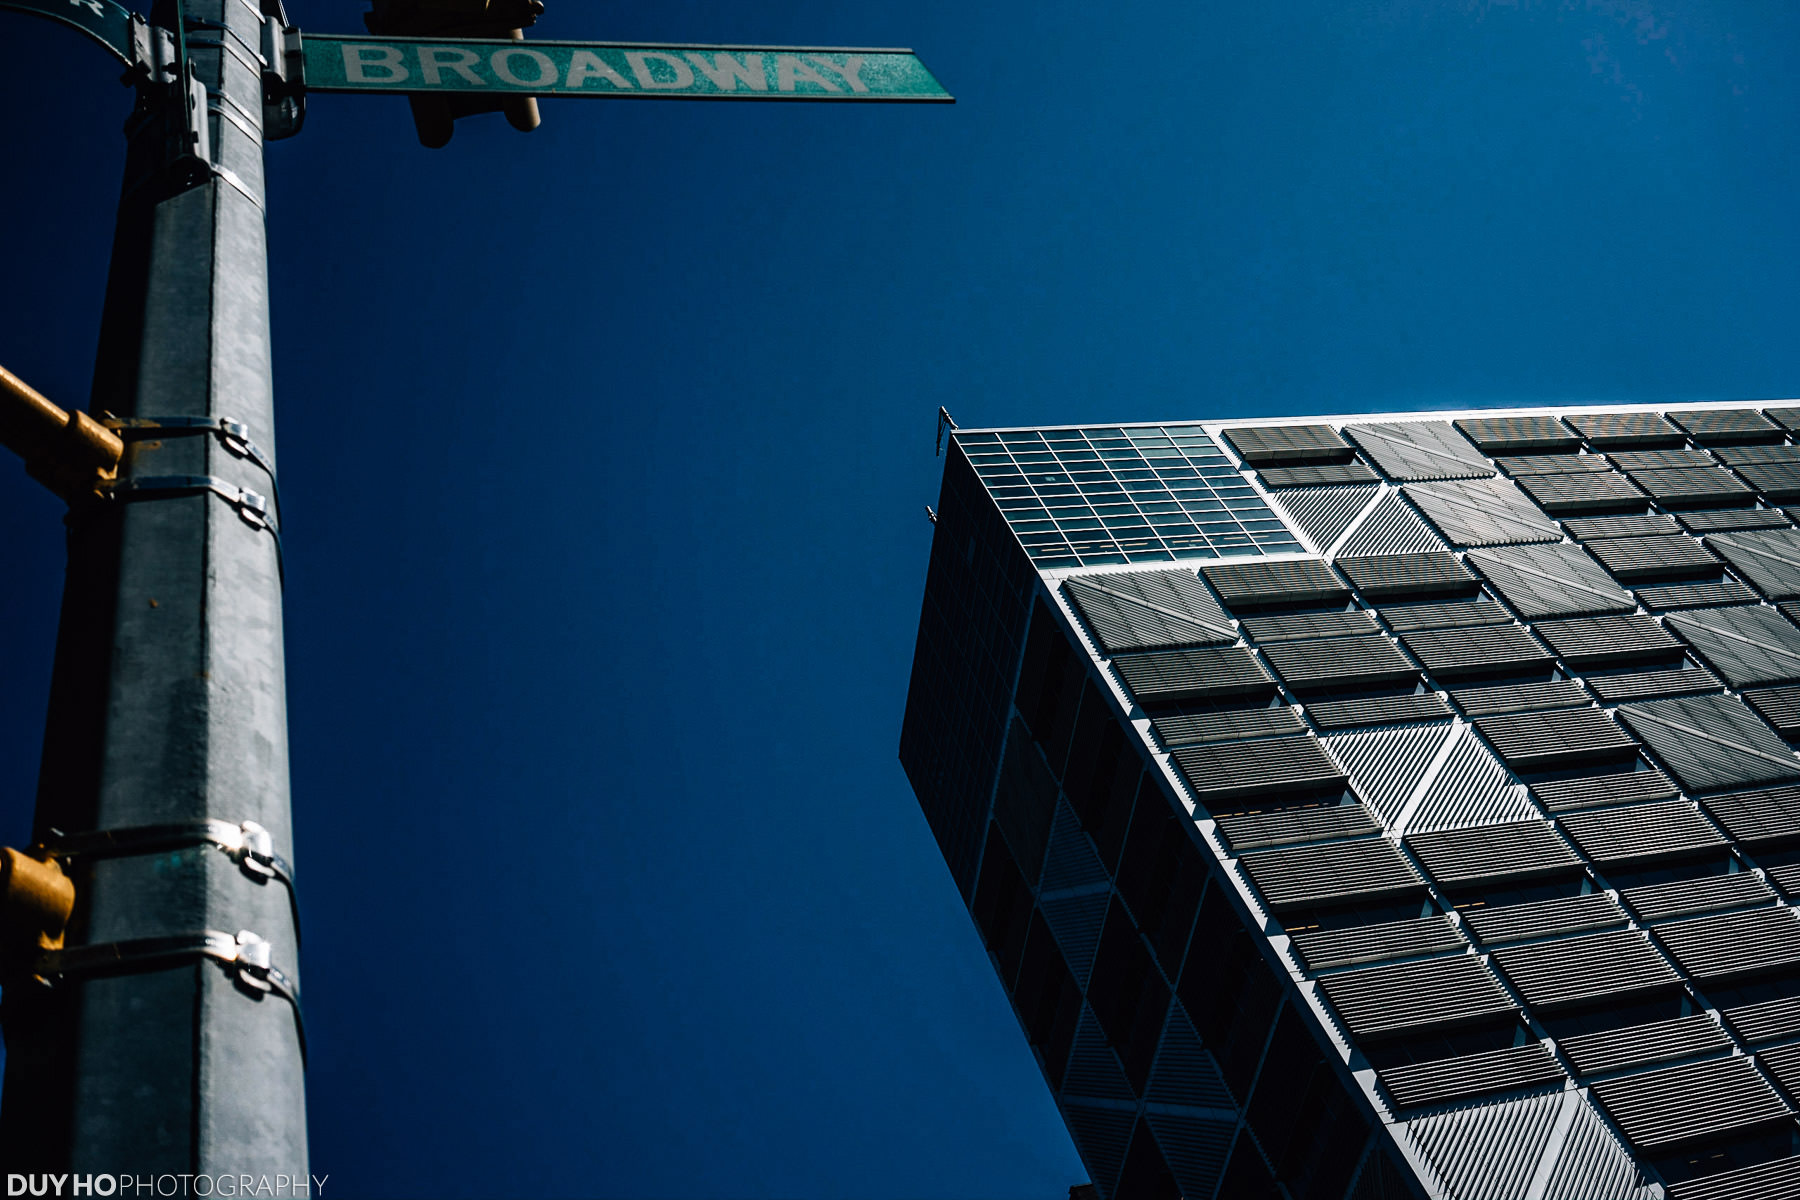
(1323, 513)
(1094, 1071)
(1391, 528)
(1594, 1165)
(1071, 861)
(1488, 1151)
(1472, 788)
(1386, 765)
(1075, 922)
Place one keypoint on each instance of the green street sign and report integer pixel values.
(614, 70)
(103, 20)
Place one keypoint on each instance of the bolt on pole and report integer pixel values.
(167, 1039)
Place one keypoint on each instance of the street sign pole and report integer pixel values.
(169, 1043)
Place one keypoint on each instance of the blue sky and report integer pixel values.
(605, 452)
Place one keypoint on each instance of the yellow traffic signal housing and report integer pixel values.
(36, 899)
(435, 116)
(68, 452)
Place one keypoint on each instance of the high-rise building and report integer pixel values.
(1386, 806)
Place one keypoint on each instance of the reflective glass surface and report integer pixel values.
(1078, 497)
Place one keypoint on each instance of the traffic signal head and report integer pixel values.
(435, 116)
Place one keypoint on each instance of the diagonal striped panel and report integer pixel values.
(1185, 1072)
(1410, 450)
(1324, 513)
(1102, 1136)
(1151, 610)
(1473, 788)
(1195, 1150)
(1712, 742)
(1551, 581)
(1094, 1071)
(1595, 1163)
(1386, 765)
(1072, 861)
(1768, 558)
(1747, 646)
(1488, 1151)
(1483, 512)
(1392, 528)
(1075, 922)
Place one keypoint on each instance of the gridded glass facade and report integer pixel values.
(1084, 497)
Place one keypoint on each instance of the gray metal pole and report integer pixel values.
(152, 1054)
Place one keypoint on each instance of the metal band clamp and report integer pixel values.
(253, 507)
(248, 844)
(233, 435)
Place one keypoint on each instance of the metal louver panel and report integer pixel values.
(1625, 429)
(1457, 614)
(1542, 918)
(1776, 1180)
(1386, 765)
(1787, 418)
(1551, 464)
(1071, 861)
(1647, 685)
(1778, 483)
(1639, 1045)
(1511, 1069)
(1544, 741)
(1223, 773)
(1683, 1104)
(1075, 922)
(1379, 710)
(1093, 1071)
(1375, 1001)
(1661, 460)
(1644, 525)
(1333, 873)
(1288, 627)
(1740, 456)
(1391, 528)
(1489, 1151)
(1231, 725)
(1262, 444)
(1762, 816)
(1708, 893)
(1766, 1020)
(1202, 674)
(1724, 520)
(1416, 937)
(1521, 697)
(1587, 492)
(1196, 1150)
(1185, 1073)
(1472, 788)
(1102, 1135)
(1734, 943)
(1251, 831)
(1517, 850)
(1551, 581)
(1640, 832)
(1695, 595)
(1768, 558)
(1384, 576)
(1324, 513)
(1451, 654)
(1712, 742)
(1370, 660)
(1300, 581)
(1483, 512)
(1149, 611)
(1727, 426)
(1650, 559)
(1779, 706)
(1323, 475)
(1594, 791)
(1693, 486)
(1585, 968)
(1409, 450)
(1787, 878)
(1523, 434)
(1594, 1163)
(1612, 641)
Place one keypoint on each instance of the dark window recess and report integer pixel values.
(1048, 1000)
(1581, 770)
(1262, 445)
(1435, 1044)
(1353, 916)
(1690, 868)
(1783, 986)
(1608, 430)
(1002, 907)
(1162, 876)
(1145, 1173)
(1102, 778)
(1618, 1014)
(1229, 991)
(1025, 802)
(1729, 1153)
(1246, 1175)
(1050, 679)
(1477, 897)
(1127, 995)
(1302, 1115)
